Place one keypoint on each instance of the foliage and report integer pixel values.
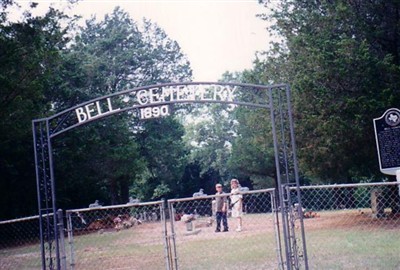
(113, 55)
(341, 59)
(342, 65)
(162, 148)
(99, 161)
(252, 154)
(210, 135)
(29, 54)
(252, 150)
(43, 71)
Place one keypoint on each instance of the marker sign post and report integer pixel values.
(387, 135)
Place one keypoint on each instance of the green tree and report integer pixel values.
(97, 162)
(29, 53)
(106, 57)
(117, 54)
(251, 158)
(165, 154)
(341, 59)
(209, 135)
(252, 150)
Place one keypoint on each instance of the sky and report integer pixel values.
(216, 36)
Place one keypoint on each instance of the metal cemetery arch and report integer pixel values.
(153, 101)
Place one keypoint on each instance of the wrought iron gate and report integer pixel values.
(153, 101)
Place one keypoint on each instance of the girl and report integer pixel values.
(236, 203)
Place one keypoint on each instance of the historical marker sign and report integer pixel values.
(387, 135)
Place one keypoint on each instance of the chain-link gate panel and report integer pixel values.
(199, 246)
(131, 236)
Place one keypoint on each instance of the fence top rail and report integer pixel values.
(22, 219)
(127, 205)
(220, 195)
(349, 185)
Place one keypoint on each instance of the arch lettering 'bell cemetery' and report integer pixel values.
(153, 101)
(156, 96)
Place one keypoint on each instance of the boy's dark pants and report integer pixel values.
(221, 216)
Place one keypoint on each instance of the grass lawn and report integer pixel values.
(335, 240)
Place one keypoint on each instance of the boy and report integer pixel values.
(221, 204)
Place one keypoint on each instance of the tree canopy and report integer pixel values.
(341, 59)
(44, 71)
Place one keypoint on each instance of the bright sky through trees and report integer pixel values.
(217, 36)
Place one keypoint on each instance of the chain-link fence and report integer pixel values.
(200, 246)
(128, 236)
(20, 244)
(353, 226)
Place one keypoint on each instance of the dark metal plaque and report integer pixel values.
(387, 135)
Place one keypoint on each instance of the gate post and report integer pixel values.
(296, 175)
(279, 185)
(286, 173)
(294, 249)
(172, 221)
(70, 231)
(60, 225)
(167, 241)
(49, 240)
(275, 213)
